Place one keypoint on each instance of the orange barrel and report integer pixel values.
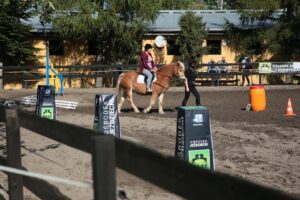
(258, 98)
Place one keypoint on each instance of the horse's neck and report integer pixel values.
(164, 76)
(165, 71)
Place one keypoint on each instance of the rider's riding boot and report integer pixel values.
(149, 89)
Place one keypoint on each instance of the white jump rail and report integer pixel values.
(31, 100)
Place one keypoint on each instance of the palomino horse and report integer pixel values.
(127, 83)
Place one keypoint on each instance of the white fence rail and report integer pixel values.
(31, 100)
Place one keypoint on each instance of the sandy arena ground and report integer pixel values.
(262, 147)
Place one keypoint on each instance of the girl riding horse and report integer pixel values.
(147, 66)
(127, 83)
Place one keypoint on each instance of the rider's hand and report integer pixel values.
(186, 85)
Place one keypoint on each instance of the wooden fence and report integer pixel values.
(28, 75)
(1, 76)
(108, 152)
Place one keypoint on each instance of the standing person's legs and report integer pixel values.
(185, 99)
(244, 76)
(247, 76)
(243, 79)
(196, 94)
(149, 75)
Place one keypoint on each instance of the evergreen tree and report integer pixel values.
(182, 4)
(16, 46)
(117, 26)
(220, 4)
(278, 30)
(191, 37)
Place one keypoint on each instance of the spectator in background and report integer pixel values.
(246, 66)
(211, 66)
(222, 68)
(190, 75)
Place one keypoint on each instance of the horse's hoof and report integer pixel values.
(145, 111)
(161, 113)
(137, 111)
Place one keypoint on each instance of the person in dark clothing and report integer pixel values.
(246, 66)
(190, 75)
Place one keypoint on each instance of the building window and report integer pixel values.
(173, 49)
(56, 47)
(214, 47)
(92, 47)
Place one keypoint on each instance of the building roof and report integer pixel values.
(37, 27)
(167, 21)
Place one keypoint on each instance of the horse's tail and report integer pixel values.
(118, 88)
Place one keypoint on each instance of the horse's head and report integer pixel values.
(173, 70)
(180, 70)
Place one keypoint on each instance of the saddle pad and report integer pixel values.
(141, 79)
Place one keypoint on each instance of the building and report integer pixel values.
(165, 25)
(63, 53)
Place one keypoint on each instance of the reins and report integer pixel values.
(166, 75)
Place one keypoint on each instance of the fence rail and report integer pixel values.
(167, 172)
(30, 74)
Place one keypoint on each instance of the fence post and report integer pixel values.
(1, 76)
(15, 182)
(259, 78)
(104, 167)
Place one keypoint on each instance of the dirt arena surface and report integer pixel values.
(262, 147)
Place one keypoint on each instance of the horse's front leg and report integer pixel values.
(152, 102)
(160, 103)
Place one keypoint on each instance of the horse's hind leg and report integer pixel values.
(120, 104)
(130, 100)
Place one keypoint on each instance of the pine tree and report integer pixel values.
(181, 4)
(278, 30)
(191, 37)
(116, 26)
(220, 4)
(16, 46)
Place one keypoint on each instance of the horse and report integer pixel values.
(127, 83)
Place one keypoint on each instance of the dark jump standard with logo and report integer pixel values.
(106, 115)
(45, 102)
(193, 138)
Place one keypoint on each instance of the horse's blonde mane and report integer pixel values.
(181, 64)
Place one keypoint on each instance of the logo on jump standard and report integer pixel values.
(200, 158)
(198, 120)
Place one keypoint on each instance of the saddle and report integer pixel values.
(142, 79)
